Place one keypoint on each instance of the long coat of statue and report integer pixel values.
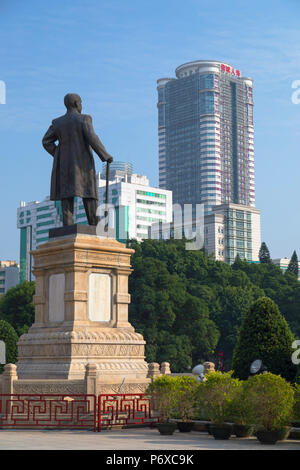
(73, 172)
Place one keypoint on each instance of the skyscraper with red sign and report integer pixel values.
(205, 130)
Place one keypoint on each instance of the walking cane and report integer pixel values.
(106, 198)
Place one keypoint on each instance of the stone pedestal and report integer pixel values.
(81, 316)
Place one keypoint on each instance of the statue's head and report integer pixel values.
(73, 102)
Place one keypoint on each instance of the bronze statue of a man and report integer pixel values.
(73, 172)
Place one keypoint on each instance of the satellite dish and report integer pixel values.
(198, 370)
(256, 366)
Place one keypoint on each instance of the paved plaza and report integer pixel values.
(128, 439)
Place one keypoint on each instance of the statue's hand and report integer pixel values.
(110, 159)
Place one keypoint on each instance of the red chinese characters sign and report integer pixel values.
(231, 70)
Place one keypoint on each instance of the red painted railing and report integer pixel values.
(124, 409)
(48, 411)
(75, 411)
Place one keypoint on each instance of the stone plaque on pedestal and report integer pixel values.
(56, 298)
(100, 297)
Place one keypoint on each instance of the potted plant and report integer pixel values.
(185, 389)
(215, 395)
(272, 399)
(162, 392)
(201, 418)
(296, 409)
(240, 412)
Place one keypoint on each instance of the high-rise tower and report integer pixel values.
(205, 130)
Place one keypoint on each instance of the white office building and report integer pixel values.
(229, 230)
(137, 206)
(9, 275)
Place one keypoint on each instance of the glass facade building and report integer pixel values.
(117, 168)
(205, 133)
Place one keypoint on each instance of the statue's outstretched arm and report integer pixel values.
(49, 140)
(94, 140)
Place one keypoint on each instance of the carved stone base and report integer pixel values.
(133, 387)
(66, 387)
(116, 353)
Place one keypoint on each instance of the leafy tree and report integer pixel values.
(175, 323)
(10, 338)
(194, 322)
(213, 297)
(264, 335)
(176, 349)
(234, 302)
(16, 306)
(237, 261)
(293, 265)
(264, 254)
(283, 289)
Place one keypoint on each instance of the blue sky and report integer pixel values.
(112, 52)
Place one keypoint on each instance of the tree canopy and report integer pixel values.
(264, 254)
(293, 265)
(264, 335)
(10, 339)
(207, 300)
(16, 306)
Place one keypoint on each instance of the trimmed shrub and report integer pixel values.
(240, 409)
(296, 411)
(215, 395)
(185, 396)
(264, 335)
(271, 399)
(162, 391)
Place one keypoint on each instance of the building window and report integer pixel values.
(49, 222)
(45, 208)
(44, 216)
(40, 240)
